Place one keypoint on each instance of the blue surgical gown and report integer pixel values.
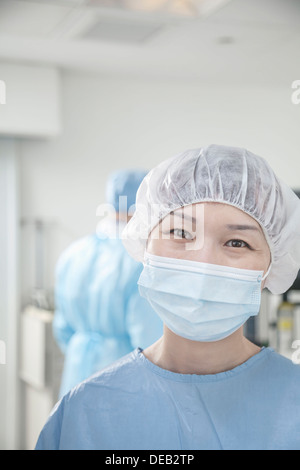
(100, 315)
(134, 404)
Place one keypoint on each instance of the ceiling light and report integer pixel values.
(169, 7)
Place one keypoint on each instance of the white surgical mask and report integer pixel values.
(200, 301)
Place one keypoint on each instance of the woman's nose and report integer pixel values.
(203, 251)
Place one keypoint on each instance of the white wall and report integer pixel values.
(111, 123)
(9, 293)
(32, 100)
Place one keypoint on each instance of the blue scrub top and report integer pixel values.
(134, 404)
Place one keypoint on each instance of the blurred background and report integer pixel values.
(89, 87)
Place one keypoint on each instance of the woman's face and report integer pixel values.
(212, 233)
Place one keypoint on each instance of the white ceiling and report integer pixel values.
(241, 41)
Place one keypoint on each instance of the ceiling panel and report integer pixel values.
(254, 41)
(122, 31)
(22, 18)
(284, 13)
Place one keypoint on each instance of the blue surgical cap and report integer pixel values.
(123, 183)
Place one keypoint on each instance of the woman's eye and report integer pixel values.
(180, 233)
(237, 244)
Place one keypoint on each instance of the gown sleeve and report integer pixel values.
(62, 330)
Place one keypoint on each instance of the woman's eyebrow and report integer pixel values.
(242, 227)
(184, 216)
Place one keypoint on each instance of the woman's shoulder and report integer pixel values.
(100, 394)
(282, 368)
(124, 368)
(291, 363)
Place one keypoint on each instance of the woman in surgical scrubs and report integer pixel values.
(213, 227)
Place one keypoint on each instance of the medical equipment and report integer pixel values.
(41, 364)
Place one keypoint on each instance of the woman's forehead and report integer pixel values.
(223, 211)
(216, 216)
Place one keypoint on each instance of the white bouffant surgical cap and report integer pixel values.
(231, 176)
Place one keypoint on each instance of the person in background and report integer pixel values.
(99, 314)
